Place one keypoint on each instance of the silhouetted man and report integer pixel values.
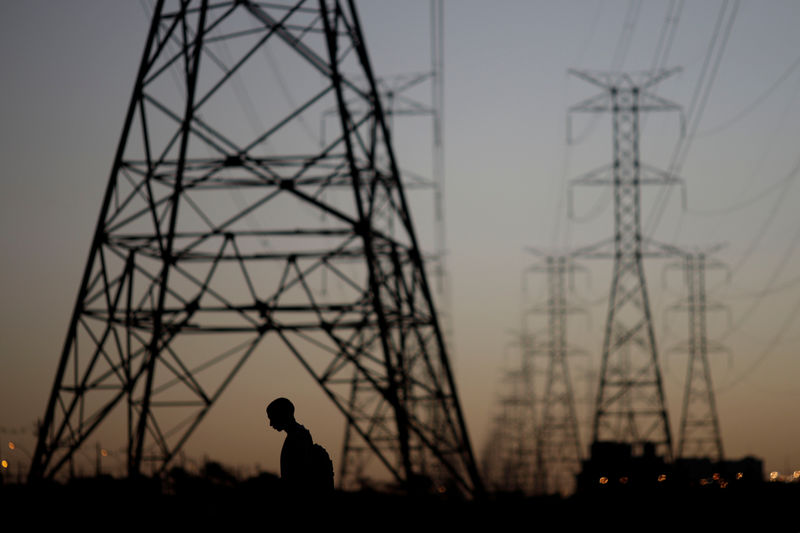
(296, 454)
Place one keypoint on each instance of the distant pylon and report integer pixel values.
(630, 405)
(213, 237)
(699, 434)
(509, 452)
(558, 448)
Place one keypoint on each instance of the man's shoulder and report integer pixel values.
(299, 433)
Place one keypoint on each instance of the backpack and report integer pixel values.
(322, 468)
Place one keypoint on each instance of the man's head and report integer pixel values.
(280, 413)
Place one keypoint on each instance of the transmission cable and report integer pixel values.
(562, 182)
(767, 351)
(754, 104)
(699, 100)
(770, 142)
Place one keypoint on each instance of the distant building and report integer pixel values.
(613, 466)
(695, 472)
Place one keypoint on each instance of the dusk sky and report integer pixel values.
(68, 71)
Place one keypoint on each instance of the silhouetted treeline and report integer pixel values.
(214, 497)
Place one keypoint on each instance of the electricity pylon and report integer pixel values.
(217, 243)
(699, 434)
(558, 448)
(509, 453)
(630, 405)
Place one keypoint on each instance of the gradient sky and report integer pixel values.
(68, 70)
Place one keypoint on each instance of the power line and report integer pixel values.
(696, 114)
(626, 36)
(699, 100)
(748, 295)
(667, 36)
(756, 173)
(754, 104)
(697, 106)
(781, 184)
(772, 214)
(767, 351)
(568, 149)
(768, 286)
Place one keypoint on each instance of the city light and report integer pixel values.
(11, 445)
(794, 477)
(603, 480)
(662, 478)
(4, 463)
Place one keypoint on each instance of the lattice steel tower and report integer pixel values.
(558, 448)
(630, 405)
(510, 451)
(700, 434)
(219, 233)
